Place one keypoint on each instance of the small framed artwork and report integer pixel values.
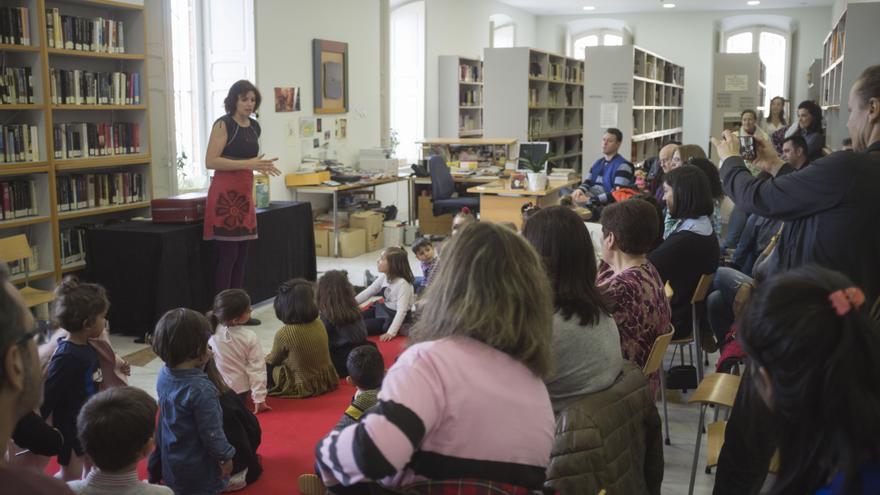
(330, 72)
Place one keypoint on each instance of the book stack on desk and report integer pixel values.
(562, 174)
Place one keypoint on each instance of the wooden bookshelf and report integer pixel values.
(460, 96)
(99, 107)
(102, 210)
(101, 162)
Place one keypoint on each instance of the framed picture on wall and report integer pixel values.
(330, 70)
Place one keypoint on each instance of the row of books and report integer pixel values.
(73, 244)
(85, 139)
(17, 267)
(16, 86)
(86, 34)
(19, 143)
(470, 73)
(471, 97)
(18, 199)
(80, 87)
(79, 192)
(564, 72)
(14, 27)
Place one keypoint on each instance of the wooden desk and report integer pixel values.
(500, 203)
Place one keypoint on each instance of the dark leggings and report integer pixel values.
(378, 318)
(231, 261)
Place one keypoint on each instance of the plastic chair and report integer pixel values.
(718, 389)
(653, 364)
(16, 248)
(443, 188)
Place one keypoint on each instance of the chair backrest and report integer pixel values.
(702, 289)
(658, 350)
(14, 248)
(717, 388)
(442, 185)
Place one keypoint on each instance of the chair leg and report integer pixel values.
(697, 347)
(663, 399)
(697, 450)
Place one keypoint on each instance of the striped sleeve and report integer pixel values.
(623, 177)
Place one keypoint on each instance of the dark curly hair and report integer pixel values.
(237, 90)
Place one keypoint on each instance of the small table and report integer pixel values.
(500, 203)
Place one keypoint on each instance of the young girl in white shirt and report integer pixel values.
(237, 350)
(395, 284)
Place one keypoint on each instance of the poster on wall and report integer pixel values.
(306, 127)
(287, 100)
(330, 75)
(341, 128)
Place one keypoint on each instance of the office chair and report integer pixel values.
(443, 187)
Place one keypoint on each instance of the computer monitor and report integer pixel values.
(533, 150)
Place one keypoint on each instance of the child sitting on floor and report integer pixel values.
(427, 256)
(116, 429)
(341, 317)
(395, 285)
(462, 219)
(299, 364)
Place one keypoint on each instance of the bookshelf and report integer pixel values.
(639, 91)
(533, 95)
(739, 84)
(53, 147)
(460, 97)
(848, 49)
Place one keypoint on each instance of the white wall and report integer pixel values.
(690, 39)
(161, 120)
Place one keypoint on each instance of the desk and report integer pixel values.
(150, 268)
(413, 195)
(344, 188)
(500, 203)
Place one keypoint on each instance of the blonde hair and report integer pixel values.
(491, 287)
(688, 151)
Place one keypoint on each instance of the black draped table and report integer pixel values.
(150, 268)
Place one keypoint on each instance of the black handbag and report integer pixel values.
(683, 377)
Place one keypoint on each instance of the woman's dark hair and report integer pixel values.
(563, 242)
(239, 89)
(712, 176)
(336, 298)
(295, 302)
(691, 194)
(748, 110)
(634, 223)
(181, 334)
(816, 111)
(228, 305)
(823, 370)
(77, 304)
(869, 84)
(398, 264)
(781, 112)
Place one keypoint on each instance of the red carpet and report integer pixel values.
(292, 429)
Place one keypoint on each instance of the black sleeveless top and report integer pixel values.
(241, 142)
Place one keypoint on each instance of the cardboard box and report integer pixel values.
(306, 178)
(327, 218)
(428, 223)
(352, 242)
(373, 224)
(322, 242)
(393, 233)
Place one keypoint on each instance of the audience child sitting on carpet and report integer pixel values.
(394, 284)
(116, 429)
(237, 351)
(428, 259)
(341, 317)
(299, 364)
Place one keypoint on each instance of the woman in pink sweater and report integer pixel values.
(465, 404)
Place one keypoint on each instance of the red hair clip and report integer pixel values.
(465, 210)
(844, 300)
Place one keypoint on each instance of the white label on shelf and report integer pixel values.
(736, 82)
(608, 115)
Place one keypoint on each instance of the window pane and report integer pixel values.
(187, 111)
(613, 40)
(771, 47)
(739, 43)
(503, 37)
(583, 42)
(407, 64)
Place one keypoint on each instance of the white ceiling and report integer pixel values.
(575, 7)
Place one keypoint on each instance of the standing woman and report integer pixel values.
(233, 153)
(776, 119)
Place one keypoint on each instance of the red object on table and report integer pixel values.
(183, 208)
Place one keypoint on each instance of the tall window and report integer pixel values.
(597, 37)
(503, 31)
(407, 60)
(772, 46)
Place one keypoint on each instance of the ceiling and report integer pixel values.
(603, 7)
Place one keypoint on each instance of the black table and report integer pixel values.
(150, 268)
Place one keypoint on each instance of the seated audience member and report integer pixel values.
(736, 222)
(691, 250)
(394, 284)
(116, 428)
(795, 153)
(809, 126)
(462, 219)
(776, 117)
(629, 280)
(481, 346)
(428, 259)
(661, 166)
(748, 125)
(846, 144)
(341, 317)
(815, 363)
(586, 343)
(711, 172)
(683, 154)
(607, 174)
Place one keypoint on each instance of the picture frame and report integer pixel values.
(330, 73)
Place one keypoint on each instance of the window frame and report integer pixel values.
(600, 33)
(494, 27)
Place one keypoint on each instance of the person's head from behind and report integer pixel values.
(846, 144)
(116, 428)
(295, 302)
(424, 249)
(712, 175)
(336, 298)
(366, 367)
(864, 109)
(748, 120)
(462, 219)
(814, 362)
(611, 141)
(80, 308)
(777, 107)
(665, 156)
(565, 247)
(687, 193)
(809, 116)
(181, 338)
(491, 287)
(629, 227)
(394, 263)
(685, 152)
(243, 99)
(232, 307)
(794, 151)
(21, 388)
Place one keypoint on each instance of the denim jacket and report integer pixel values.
(190, 434)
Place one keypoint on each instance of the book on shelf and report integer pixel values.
(556, 71)
(471, 97)
(84, 34)
(19, 143)
(469, 73)
(14, 26)
(73, 245)
(18, 199)
(91, 139)
(81, 87)
(84, 191)
(17, 267)
(16, 86)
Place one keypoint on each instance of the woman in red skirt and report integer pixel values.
(234, 154)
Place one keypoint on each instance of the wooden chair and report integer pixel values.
(16, 248)
(653, 364)
(718, 389)
(700, 293)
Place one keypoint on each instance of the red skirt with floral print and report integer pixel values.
(229, 211)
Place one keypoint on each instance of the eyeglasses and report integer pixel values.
(39, 334)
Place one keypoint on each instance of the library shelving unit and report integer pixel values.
(97, 148)
(639, 91)
(461, 97)
(739, 84)
(849, 48)
(531, 95)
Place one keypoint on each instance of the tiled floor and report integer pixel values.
(682, 417)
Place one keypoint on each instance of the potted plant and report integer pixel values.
(536, 162)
